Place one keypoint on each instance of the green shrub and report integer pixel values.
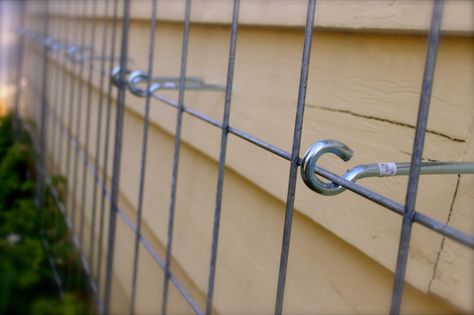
(26, 280)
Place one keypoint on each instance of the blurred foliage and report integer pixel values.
(27, 284)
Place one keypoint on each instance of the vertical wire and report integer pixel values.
(77, 138)
(106, 146)
(63, 132)
(177, 146)
(78, 120)
(27, 71)
(103, 189)
(72, 91)
(51, 115)
(49, 108)
(222, 156)
(52, 105)
(59, 88)
(415, 165)
(20, 56)
(55, 129)
(290, 199)
(99, 133)
(36, 77)
(24, 72)
(119, 119)
(29, 78)
(143, 159)
(74, 124)
(42, 136)
(75, 115)
(54, 110)
(87, 127)
(37, 95)
(62, 63)
(47, 113)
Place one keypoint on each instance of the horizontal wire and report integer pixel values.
(237, 132)
(398, 208)
(388, 203)
(82, 155)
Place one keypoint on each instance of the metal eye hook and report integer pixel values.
(159, 83)
(308, 167)
(71, 49)
(115, 75)
(310, 158)
(71, 52)
(74, 50)
(133, 79)
(56, 46)
(48, 42)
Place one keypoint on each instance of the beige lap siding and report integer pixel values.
(363, 90)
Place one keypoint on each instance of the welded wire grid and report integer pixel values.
(55, 102)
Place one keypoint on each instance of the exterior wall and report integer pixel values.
(363, 90)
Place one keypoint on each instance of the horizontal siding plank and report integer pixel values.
(356, 83)
(399, 16)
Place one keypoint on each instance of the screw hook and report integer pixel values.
(310, 158)
(135, 78)
(308, 167)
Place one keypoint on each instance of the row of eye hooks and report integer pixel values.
(134, 79)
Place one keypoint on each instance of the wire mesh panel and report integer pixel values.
(77, 90)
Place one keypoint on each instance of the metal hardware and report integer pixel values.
(75, 52)
(96, 58)
(56, 46)
(320, 148)
(144, 85)
(115, 75)
(190, 83)
(49, 42)
(165, 83)
(137, 77)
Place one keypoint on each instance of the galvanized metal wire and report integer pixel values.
(417, 153)
(177, 151)
(98, 142)
(141, 189)
(67, 124)
(119, 120)
(108, 118)
(290, 199)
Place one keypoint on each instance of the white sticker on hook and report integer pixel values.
(387, 169)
